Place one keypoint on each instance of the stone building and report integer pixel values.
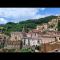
(16, 36)
(36, 37)
(15, 41)
(50, 26)
(42, 27)
(13, 44)
(32, 38)
(3, 39)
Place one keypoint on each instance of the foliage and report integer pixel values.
(25, 50)
(1, 46)
(8, 50)
(28, 25)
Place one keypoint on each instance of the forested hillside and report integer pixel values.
(27, 24)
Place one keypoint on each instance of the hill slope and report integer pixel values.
(28, 24)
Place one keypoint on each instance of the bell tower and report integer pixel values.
(23, 30)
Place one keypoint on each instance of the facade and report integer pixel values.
(31, 41)
(3, 39)
(13, 44)
(16, 36)
(15, 41)
(42, 27)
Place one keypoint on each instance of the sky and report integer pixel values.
(22, 14)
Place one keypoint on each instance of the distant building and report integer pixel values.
(3, 39)
(46, 36)
(15, 41)
(15, 36)
(13, 44)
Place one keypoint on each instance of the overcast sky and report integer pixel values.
(20, 14)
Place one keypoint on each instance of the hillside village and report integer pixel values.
(45, 38)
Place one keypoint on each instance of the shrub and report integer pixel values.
(26, 50)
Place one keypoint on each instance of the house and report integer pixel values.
(31, 41)
(50, 41)
(32, 38)
(39, 27)
(15, 41)
(13, 44)
(15, 36)
(38, 38)
(3, 39)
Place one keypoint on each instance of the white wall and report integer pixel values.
(33, 42)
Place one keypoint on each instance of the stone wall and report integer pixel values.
(13, 44)
(50, 47)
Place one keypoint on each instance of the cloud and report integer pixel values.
(40, 16)
(42, 8)
(57, 14)
(3, 21)
(19, 14)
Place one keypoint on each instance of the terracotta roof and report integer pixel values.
(48, 36)
(32, 38)
(16, 32)
(56, 32)
(35, 30)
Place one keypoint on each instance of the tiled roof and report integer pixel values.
(35, 30)
(16, 32)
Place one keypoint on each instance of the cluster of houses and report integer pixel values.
(46, 36)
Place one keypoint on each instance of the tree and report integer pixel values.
(28, 24)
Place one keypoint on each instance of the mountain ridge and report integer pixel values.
(28, 24)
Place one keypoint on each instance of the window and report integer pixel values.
(59, 38)
(55, 39)
(15, 37)
(0, 38)
(55, 29)
(38, 41)
(31, 35)
(56, 50)
(35, 34)
(24, 41)
(4, 37)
